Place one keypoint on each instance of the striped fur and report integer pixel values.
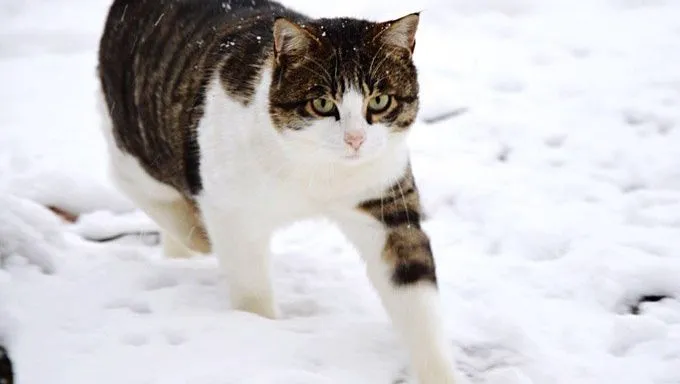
(407, 248)
(155, 60)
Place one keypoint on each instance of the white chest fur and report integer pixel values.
(243, 163)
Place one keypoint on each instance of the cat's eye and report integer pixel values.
(379, 103)
(323, 106)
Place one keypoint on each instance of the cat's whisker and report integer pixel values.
(381, 191)
(318, 64)
(403, 200)
(360, 68)
(313, 71)
(318, 145)
(370, 67)
(382, 61)
(381, 78)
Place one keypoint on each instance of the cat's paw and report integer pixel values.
(264, 307)
(199, 242)
(173, 249)
(440, 375)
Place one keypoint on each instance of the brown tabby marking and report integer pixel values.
(407, 248)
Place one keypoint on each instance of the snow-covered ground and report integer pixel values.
(553, 201)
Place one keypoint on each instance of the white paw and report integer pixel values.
(173, 249)
(262, 306)
(443, 374)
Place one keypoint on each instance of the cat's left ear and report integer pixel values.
(401, 32)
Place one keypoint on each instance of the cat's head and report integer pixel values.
(344, 89)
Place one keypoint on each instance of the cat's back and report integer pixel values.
(156, 58)
(145, 39)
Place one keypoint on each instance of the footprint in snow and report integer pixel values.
(135, 339)
(137, 306)
(482, 364)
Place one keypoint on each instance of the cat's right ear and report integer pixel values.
(290, 39)
(401, 32)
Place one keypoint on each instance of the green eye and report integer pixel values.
(323, 106)
(379, 103)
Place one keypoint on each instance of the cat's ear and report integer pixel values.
(400, 32)
(291, 39)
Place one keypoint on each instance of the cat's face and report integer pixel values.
(343, 90)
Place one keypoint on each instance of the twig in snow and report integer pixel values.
(635, 308)
(445, 116)
(148, 237)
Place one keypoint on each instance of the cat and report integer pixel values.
(226, 120)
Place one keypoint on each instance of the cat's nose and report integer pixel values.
(355, 139)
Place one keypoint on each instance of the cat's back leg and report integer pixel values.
(179, 219)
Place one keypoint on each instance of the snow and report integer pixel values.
(31, 231)
(553, 202)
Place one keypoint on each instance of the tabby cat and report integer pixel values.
(228, 119)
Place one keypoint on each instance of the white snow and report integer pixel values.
(553, 203)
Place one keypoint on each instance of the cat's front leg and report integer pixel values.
(241, 243)
(400, 265)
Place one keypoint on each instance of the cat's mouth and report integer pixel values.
(361, 155)
(355, 158)
(355, 154)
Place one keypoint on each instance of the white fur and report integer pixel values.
(161, 202)
(414, 309)
(257, 179)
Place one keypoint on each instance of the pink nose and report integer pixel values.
(354, 139)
